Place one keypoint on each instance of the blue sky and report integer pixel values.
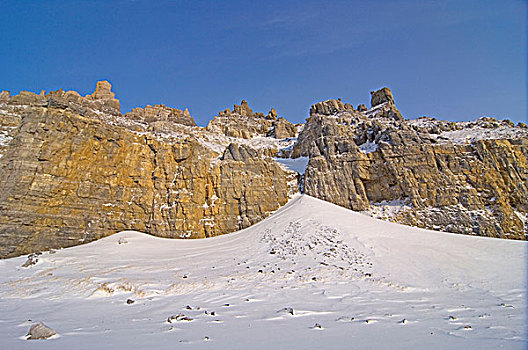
(455, 60)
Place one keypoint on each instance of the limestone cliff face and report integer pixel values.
(467, 178)
(73, 170)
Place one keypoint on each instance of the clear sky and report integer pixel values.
(454, 60)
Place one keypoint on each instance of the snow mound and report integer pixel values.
(313, 274)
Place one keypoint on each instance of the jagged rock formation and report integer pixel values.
(74, 171)
(161, 113)
(456, 177)
(330, 107)
(242, 122)
(384, 105)
(102, 101)
(282, 129)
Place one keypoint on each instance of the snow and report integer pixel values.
(295, 164)
(368, 147)
(388, 210)
(5, 138)
(375, 109)
(312, 275)
(218, 142)
(477, 133)
(424, 122)
(468, 132)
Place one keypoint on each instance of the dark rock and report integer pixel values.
(272, 114)
(31, 260)
(178, 317)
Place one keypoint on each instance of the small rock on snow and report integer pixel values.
(40, 331)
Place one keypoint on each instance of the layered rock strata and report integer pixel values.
(469, 178)
(73, 170)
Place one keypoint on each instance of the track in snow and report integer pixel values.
(309, 276)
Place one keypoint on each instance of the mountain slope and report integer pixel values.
(75, 169)
(367, 283)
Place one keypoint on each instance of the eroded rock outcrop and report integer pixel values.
(71, 175)
(74, 169)
(467, 178)
(282, 129)
(161, 113)
(330, 107)
(242, 122)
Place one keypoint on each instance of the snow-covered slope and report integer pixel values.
(313, 275)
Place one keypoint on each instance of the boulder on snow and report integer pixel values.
(40, 331)
(32, 259)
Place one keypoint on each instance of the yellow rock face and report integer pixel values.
(67, 179)
(73, 169)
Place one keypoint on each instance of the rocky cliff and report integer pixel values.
(469, 178)
(74, 169)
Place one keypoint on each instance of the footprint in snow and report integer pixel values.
(287, 310)
(345, 319)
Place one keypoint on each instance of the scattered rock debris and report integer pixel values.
(178, 317)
